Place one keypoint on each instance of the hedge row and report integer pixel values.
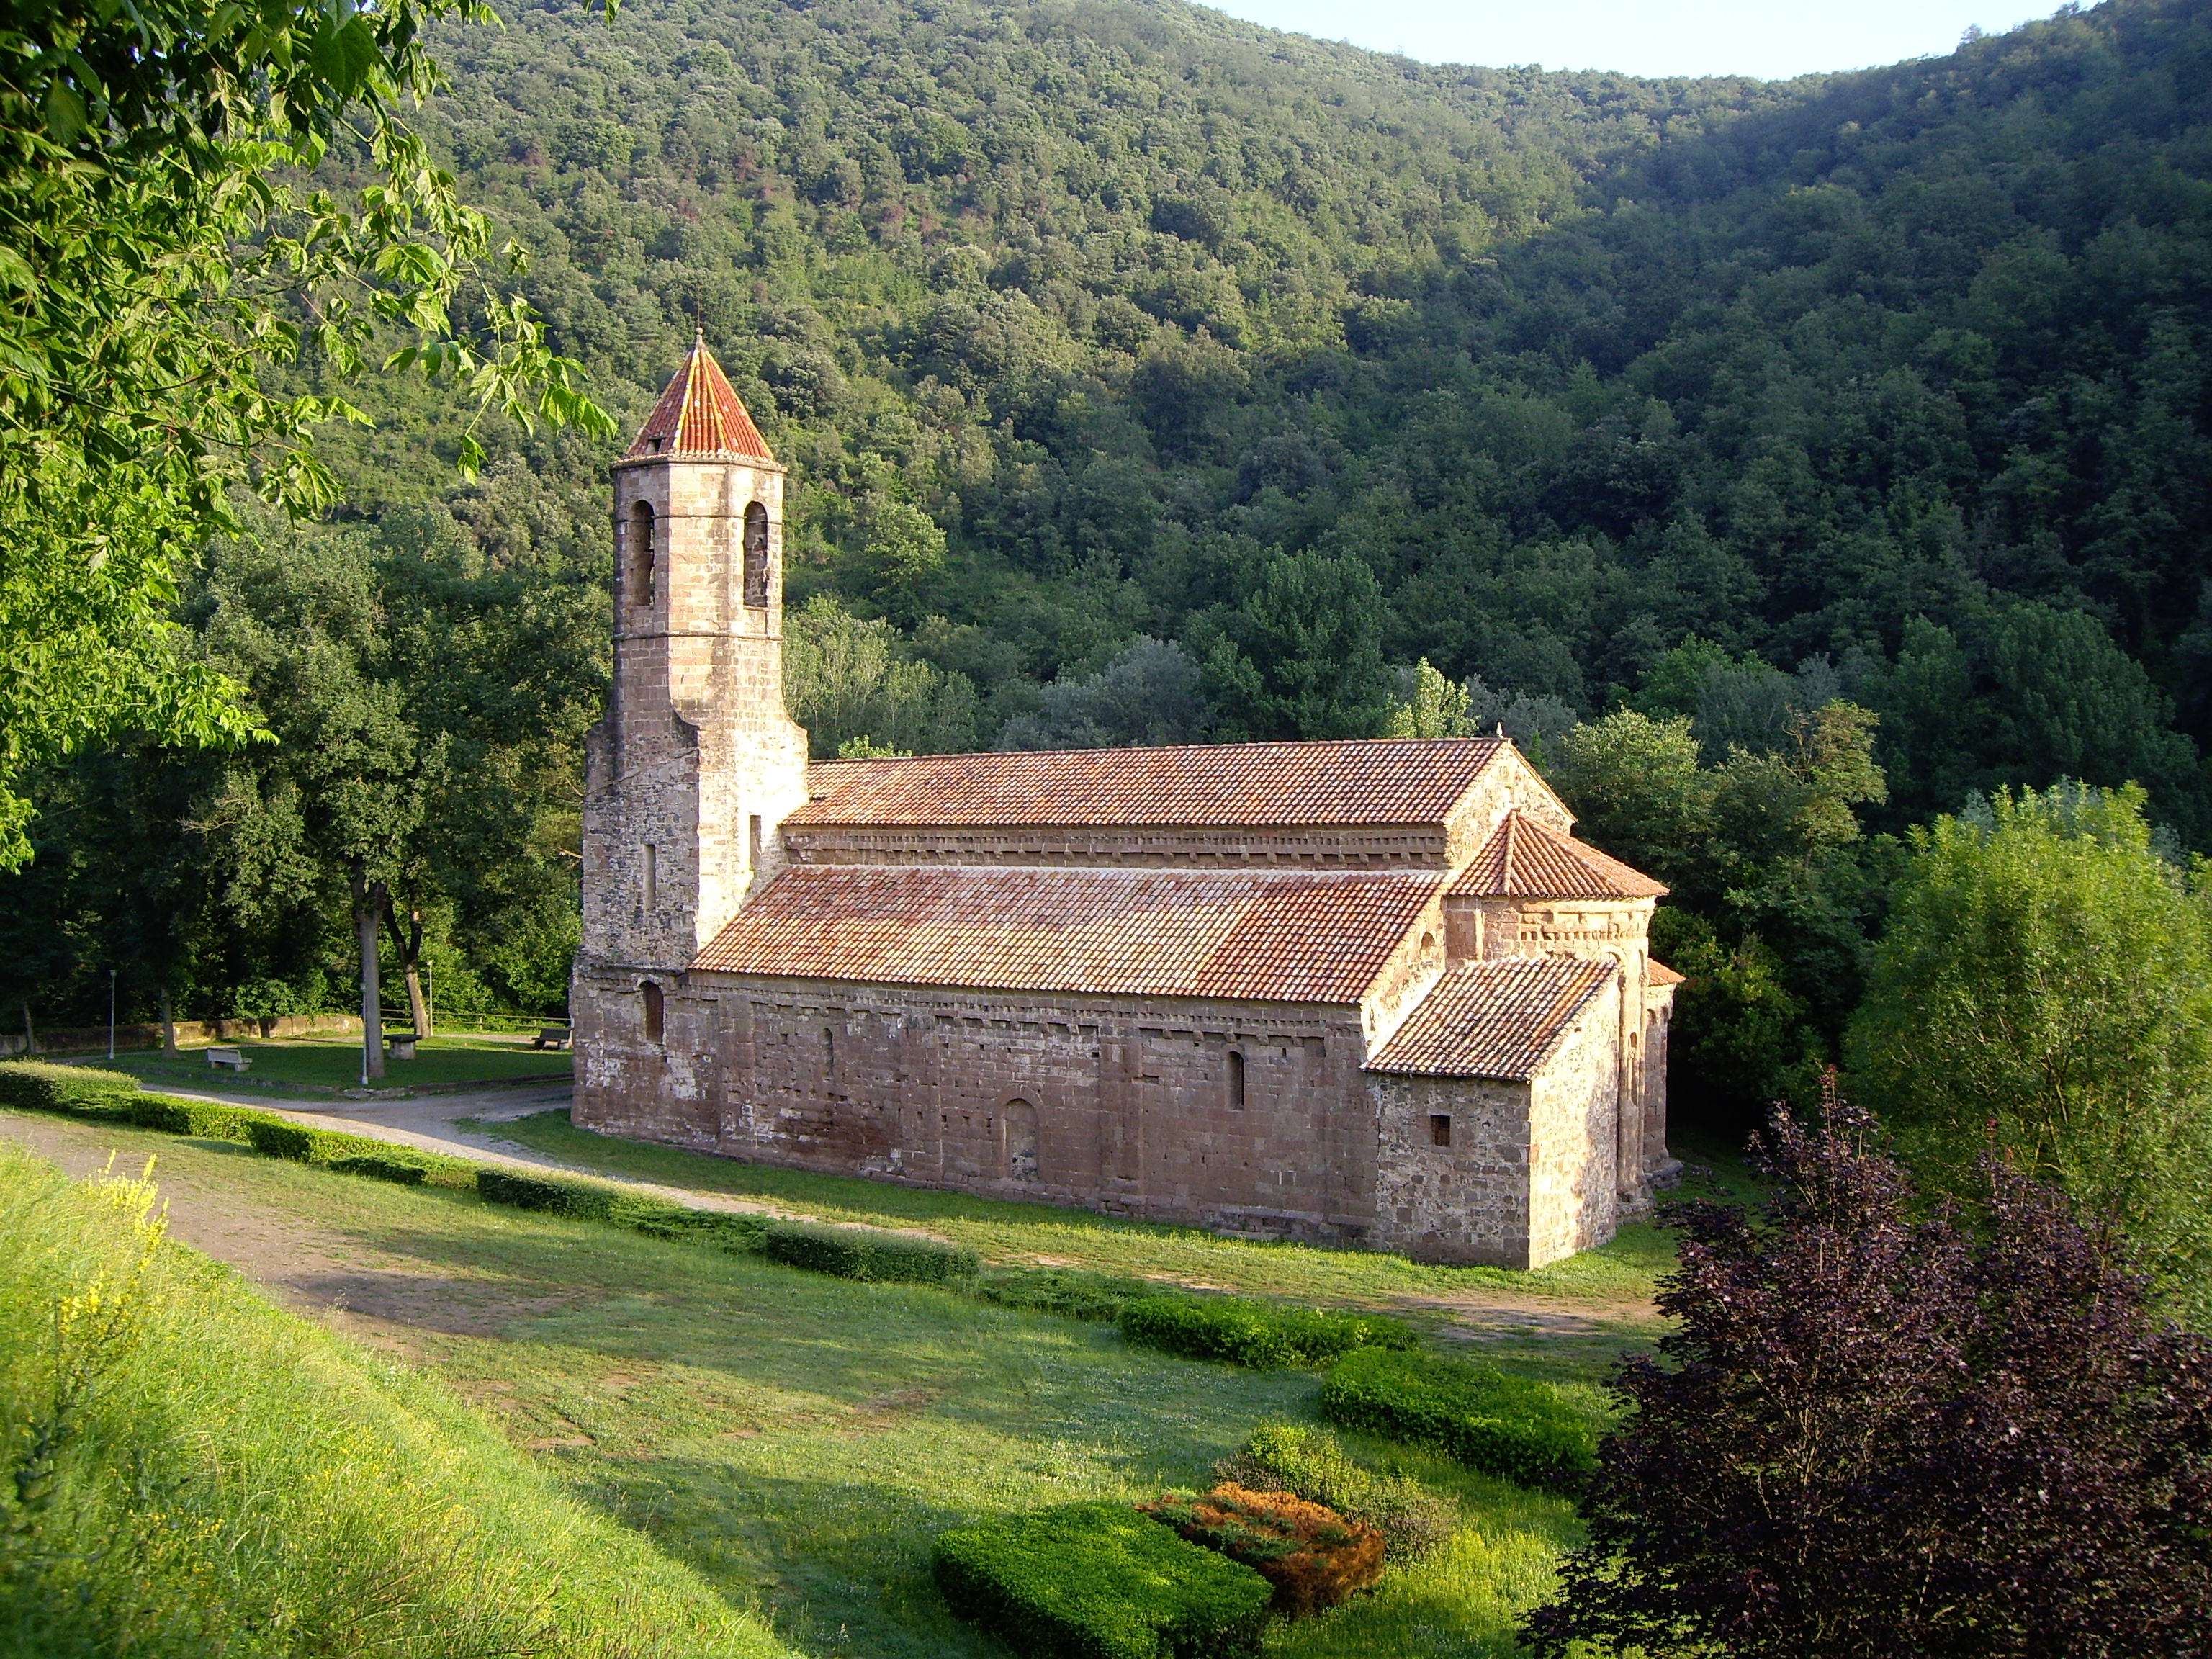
(1258, 1334)
(1070, 1292)
(858, 1253)
(1513, 1426)
(1100, 1581)
(41, 1086)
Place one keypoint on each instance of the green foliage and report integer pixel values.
(46, 1086)
(397, 1171)
(1301, 655)
(1071, 1292)
(273, 1139)
(1489, 1419)
(867, 1253)
(2045, 985)
(739, 1235)
(1312, 1462)
(1100, 1581)
(849, 681)
(167, 252)
(553, 1196)
(203, 1120)
(1259, 1335)
(190, 1471)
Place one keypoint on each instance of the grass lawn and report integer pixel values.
(1612, 1283)
(334, 1063)
(798, 1440)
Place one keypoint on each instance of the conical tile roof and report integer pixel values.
(699, 418)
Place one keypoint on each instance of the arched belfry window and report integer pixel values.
(640, 554)
(649, 994)
(757, 555)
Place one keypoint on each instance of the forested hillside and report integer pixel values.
(1147, 375)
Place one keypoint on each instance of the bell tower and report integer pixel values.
(697, 763)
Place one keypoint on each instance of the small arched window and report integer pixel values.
(649, 994)
(757, 555)
(1236, 1080)
(640, 554)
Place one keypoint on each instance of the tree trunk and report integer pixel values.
(30, 1038)
(369, 901)
(407, 941)
(169, 1029)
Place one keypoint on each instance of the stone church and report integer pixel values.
(1369, 991)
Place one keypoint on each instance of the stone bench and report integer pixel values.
(553, 1036)
(400, 1045)
(228, 1060)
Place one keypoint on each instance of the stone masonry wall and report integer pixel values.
(1575, 1109)
(1126, 1105)
(1467, 1201)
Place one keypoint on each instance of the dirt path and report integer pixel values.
(431, 1123)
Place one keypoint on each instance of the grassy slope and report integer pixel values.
(798, 1440)
(234, 1480)
(335, 1063)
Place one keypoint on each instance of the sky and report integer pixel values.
(1774, 39)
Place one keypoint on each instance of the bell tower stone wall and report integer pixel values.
(697, 763)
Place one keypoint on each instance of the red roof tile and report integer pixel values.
(1291, 937)
(1524, 860)
(1256, 785)
(699, 417)
(1657, 972)
(1494, 1019)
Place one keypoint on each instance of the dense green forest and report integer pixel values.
(1835, 450)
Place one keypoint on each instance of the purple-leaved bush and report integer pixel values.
(1879, 1430)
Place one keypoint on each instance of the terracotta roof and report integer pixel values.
(699, 417)
(1657, 972)
(1259, 785)
(1524, 860)
(1293, 937)
(1494, 1019)
(827, 777)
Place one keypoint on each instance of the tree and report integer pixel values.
(1149, 694)
(2045, 983)
(161, 263)
(1302, 655)
(1872, 1430)
(846, 679)
(1638, 790)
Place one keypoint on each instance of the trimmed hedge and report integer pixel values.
(200, 1120)
(569, 1198)
(716, 1230)
(381, 1168)
(1100, 1581)
(1313, 1556)
(41, 1086)
(1488, 1420)
(1313, 1463)
(274, 1137)
(1258, 1334)
(866, 1253)
(1070, 1292)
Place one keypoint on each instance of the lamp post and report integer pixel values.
(111, 1013)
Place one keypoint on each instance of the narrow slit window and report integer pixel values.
(1236, 1080)
(828, 1060)
(650, 870)
(649, 995)
(640, 554)
(1439, 1129)
(753, 842)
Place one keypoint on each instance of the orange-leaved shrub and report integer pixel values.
(1312, 1556)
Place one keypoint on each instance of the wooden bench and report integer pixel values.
(553, 1036)
(400, 1045)
(229, 1060)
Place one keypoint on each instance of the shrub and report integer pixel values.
(1313, 1464)
(1258, 1334)
(274, 1137)
(1068, 1292)
(714, 1228)
(203, 1120)
(860, 1253)
(569, 1198)
(1100, 1581)
(1502, 1425)
(381, 1168)
(41, 1086)
(1312, 1556)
